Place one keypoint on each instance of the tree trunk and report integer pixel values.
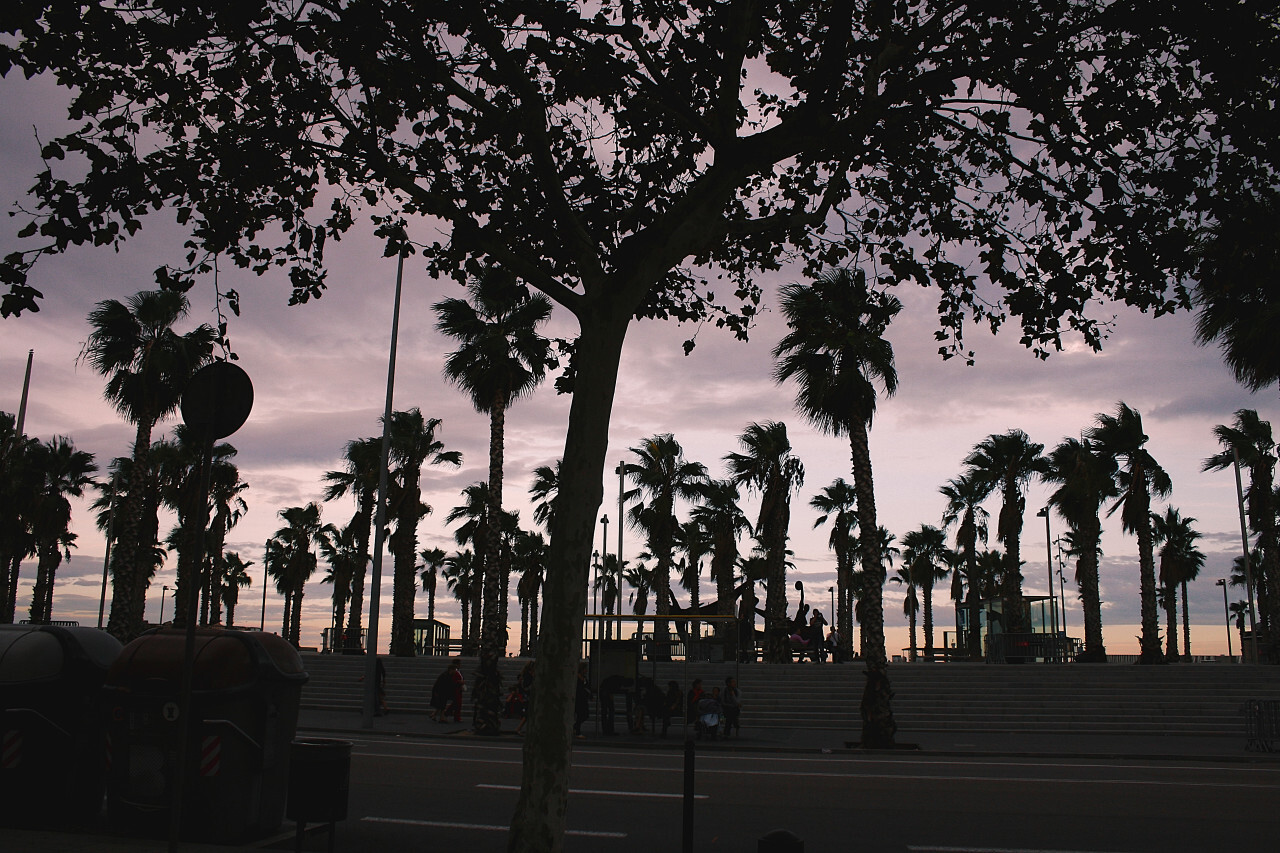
(364, 521)
(844, 593)
(1015, 612)
(1186, 623)
(1091, 601)
(125, 620)
(493, 632)
(926, 593)
(878, 725)
(539, 819)
(41, 609)
(404, 586)
(1150, 639)
(1171, 622)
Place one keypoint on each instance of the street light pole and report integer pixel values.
(1226, 612)
(1248, 570)
(164, 591)
(604, 552)
(1048, 556)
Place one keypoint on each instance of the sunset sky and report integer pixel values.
(319, 373)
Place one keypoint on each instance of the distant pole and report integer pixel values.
(164, 592)
(1226, 612)
(106, 557)
(621, 470)
(604, 552)
(262, 620)
(26, 386)
(1048, 556)
(1244, 542)
(1062, 586)
(375, 580)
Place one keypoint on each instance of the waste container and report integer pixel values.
(51, 733)
(319, 780)
(246, 688)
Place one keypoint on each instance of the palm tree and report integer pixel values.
(607, 584)
(413, 444)
(64, 473)
(923, 553)
(235, 577)
(885, 551)
(1086, 480)
(718, 513)
(1180, 563)
(1234, 291)
(545, 487)
(362, 459)
(529, 557)
(227, 508)
(460, 578)
(640, 578)
(302, 531)
(1139, 476)
(838, 502)
(147, 365)
(769, 467)
(695, 543)
(275, 561)
(20, 479)
(429, 573)
(837, 353)
(501, 359)
(341, 550)
(661, 477)
(1240, 615)
(474, 512)
(910, 604)
(1250, 439)
(965, 495)
(1007, 462)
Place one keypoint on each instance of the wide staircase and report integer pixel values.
(1193, 698)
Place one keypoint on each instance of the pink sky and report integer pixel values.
(319, 373)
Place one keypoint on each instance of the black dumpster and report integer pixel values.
(246, 688)
(51, 734)
(319, 780)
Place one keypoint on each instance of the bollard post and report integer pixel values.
(687, 846)
(780, 841)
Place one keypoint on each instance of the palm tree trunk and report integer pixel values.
(1150, 639)
(295, 620)
(878, 725)
(493, 632)
(404, 549)
(927, 595)
(125, 620)
(1171, 621)
(363, 520)
(42, 596)
(539, 817)
(1186, 622)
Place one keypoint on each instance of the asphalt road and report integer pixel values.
(458, 795)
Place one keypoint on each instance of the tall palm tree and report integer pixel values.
(301, 532)
(341, 550)
(235, 577)
(20, 479)
(64, 473)
(1007, 463)
(910, 605)
(413, 444)
(529, 557)
(501, 358)
(640, 577)
(838, 355)
(965, 495)
(838, 503)
(923, 551)
(607, 583)
(147, 365)
(227, 507)
(1250, 438)
(1239, 611)
(768, 466)
(695, 543)
(1086, 480)
(362, 459)
(1139, 476)
(660, 478)
(718, 512)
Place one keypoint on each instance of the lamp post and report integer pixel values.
(1062, 586)
(604, 552)
(620, 471)
(1226, 612)
(164, 590)
(1048, 556)
(262, 619)
(595, 588)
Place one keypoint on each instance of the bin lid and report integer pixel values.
(224, 659)
(42, 653)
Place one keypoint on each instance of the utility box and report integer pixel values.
(246, 688)
(51, 732)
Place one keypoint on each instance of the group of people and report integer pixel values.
(811, 639)
(646, 705)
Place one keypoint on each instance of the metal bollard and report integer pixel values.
(780, 841)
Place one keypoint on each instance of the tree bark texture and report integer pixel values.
(878, 725)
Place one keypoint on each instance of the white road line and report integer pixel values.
(601, 793)
(486, 827)
(927, 849)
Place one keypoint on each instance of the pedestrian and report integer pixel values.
(671, 705)
(609, 689)
(458, 682)
(380, 688)
(441, 695)
(692, 700)
(817, 639)
(581, 701)
(731, 703)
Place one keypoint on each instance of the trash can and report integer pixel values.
(246, 688)
(319, 780)
(51, 733)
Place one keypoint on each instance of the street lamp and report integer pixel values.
(1226, 612)
(1048, 555)
(164, 590)
(604, 552)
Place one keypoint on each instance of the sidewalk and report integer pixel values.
(809, 740)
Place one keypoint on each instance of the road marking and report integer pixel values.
(602, 793)
(487, 827)
(926, 849)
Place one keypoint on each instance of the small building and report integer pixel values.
(430, 637)
(1045, 642)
